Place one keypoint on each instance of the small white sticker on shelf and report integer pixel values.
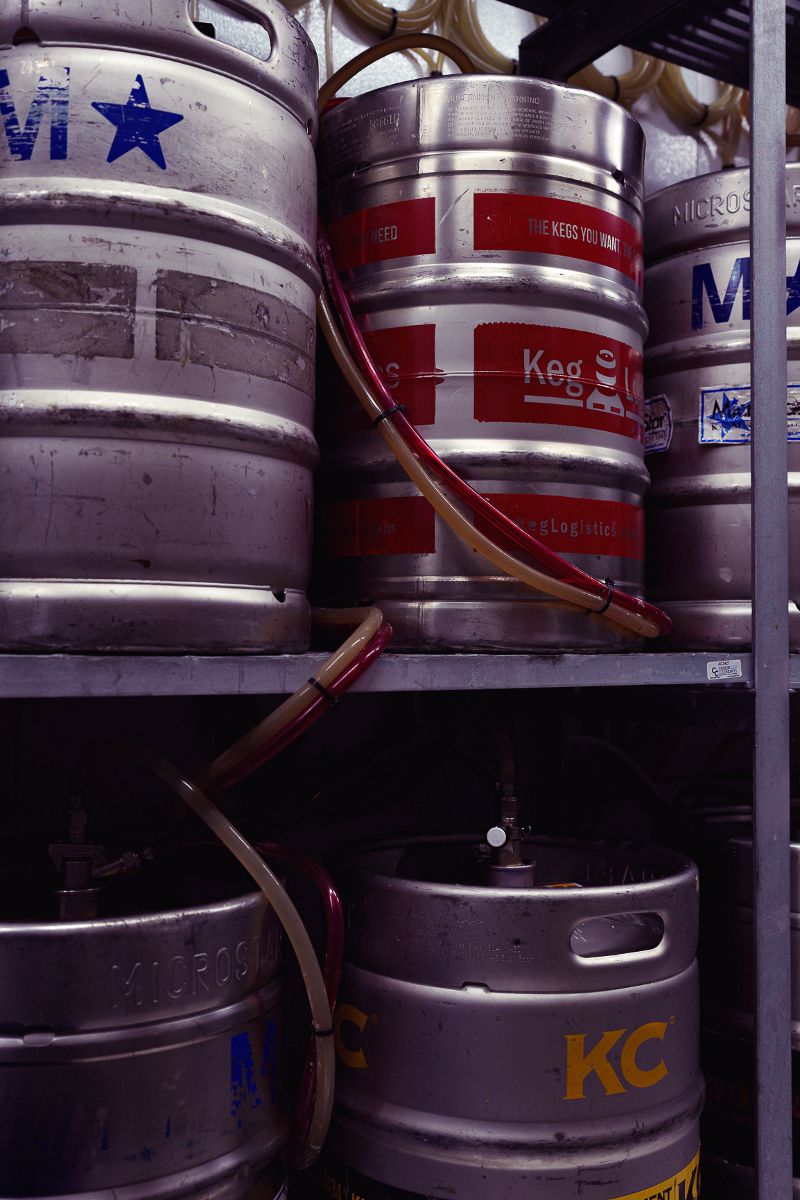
(725, 668)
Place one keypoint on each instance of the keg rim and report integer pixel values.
(232, 906)
(517, 82)
(665, 238)
(678, 868)
(544, 144)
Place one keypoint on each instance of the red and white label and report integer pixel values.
(390, 525)
(571, 525)
(406, 525)
(540, 374)
(387, 231)
(542, 225)
(406, 359)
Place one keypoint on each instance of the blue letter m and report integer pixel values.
(52, 91)
(703, 280)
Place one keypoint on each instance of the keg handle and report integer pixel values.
(282, 29)
(673, 901)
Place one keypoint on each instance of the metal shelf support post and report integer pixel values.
(770, 601)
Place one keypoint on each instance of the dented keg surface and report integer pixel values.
(540, 1041)
(488, 230)
(157, 326)
(141, 1053)
(728, 1051)
(698, 388)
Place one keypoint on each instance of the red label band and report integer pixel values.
(394, 525)
(541, 225)
(387, 231)
(570, 525)
(538, 374)
(406, 525)
(406, 359)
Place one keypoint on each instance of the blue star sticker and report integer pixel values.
(793, 291)
(137, 124)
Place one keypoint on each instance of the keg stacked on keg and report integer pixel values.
(698, 387)
(142, 1053)
(489, 231)
(521, 1041)
(158, 290)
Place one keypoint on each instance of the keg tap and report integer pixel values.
(507, 866)
(81, 863)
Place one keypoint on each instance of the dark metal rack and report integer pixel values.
(712, 37)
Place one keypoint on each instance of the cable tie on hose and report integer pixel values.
(389, 412)
(703, 117)
(322, 1032)
(610, 585)
(393, 27)
(323, 691)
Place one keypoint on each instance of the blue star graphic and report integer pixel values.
(137, 124)
(793, 291)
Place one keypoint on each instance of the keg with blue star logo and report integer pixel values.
(697, 294)
(157, 326)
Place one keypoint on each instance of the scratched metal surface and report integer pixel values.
(672, 153)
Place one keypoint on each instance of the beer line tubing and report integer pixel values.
(331, 965)
(297, 934)
(419, 460)
(255, 745)
(260, 750)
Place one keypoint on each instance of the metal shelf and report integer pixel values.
(713, 37)
(39, 676)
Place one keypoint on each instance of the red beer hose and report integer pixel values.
(311, 713)
(509, 535)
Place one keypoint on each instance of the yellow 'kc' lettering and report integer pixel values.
(582, 1063)
(348, 1014)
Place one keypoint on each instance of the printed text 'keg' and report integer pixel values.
(489, 231)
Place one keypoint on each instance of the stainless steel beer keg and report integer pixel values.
(157, 317)
(141, 1053)
(698, 387)
(488, 230)
(517, 1041)
(728, 1051)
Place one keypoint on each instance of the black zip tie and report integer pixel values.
(323, 691)
(702, 118)
(388, 412)
(395, 15)
(322, 1032)
(610, 585)
(616, 88)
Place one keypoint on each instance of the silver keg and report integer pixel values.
(728, 1051)
(538, 1041)
(698, 388)
(157, 327)
(489, 233)
(141, 1054)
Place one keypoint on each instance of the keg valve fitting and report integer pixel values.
(76, 859)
